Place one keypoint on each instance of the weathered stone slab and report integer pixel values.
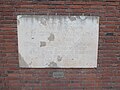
(57, 41)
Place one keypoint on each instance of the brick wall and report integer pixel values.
(105, 77)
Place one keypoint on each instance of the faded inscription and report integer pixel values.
(57, 41)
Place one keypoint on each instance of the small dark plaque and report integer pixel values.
(58, 74)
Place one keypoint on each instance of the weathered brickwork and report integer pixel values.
(105, 77)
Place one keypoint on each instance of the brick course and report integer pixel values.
(105, 77)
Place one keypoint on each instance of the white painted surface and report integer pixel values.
(58, 41)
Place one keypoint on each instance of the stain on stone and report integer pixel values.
(51, 37)
(42, 44)
(59, 58)
(43, 22)
(22, 62)
(72, 59)
(83, 18)
(98, 20)
(72, 18)
(52, 64)
(30, 63)
(18, 22)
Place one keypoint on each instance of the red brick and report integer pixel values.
(105, 76)
(56, 2)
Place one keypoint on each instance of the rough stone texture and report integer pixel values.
(105, 77)
(65, 41)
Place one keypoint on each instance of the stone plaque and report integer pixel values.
(57, 41)
(58, 74)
